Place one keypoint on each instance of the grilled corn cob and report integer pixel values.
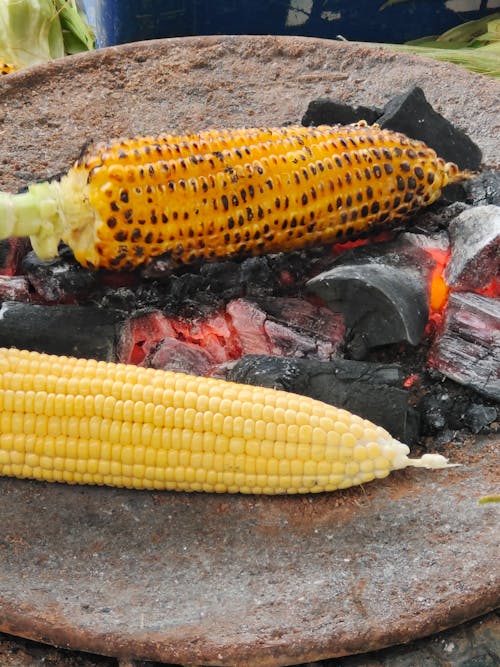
(6, 68)
(87, 422)
(224, 193)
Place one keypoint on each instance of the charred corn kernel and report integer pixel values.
(224, 193)
(6, 68)
(89, 442)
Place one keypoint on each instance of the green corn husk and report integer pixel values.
(474, 45)
(77, 34)
(34, 31)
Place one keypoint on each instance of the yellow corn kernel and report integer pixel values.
(96, 444)
(7, 68)
(224, 193)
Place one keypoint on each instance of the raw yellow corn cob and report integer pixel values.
(88, 422)
(6, 68)
(223, 193)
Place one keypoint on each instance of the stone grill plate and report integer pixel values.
(233, 580)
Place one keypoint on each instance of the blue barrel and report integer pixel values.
(120, 21)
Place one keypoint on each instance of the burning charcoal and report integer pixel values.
(14, 288)
(439, 241)
(255, 332)
(247, 321)
(80, 331)
(382, 292)
(60, 279)
(12, 252)
(324, 111)
(141, 333)
(288, 342)
(478, 417)
(483, 189)
(363, 388)
(213, 333)
(475, 243)
(467, 349)
(412, 114)
(177, 355)
(305, 315)
(324, 325)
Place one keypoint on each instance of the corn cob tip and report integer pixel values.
(429, 461)
(453, 174)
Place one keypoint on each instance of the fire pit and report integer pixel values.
(242, 580)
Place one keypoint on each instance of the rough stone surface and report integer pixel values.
(472, 644)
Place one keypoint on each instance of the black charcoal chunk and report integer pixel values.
(437, 218)
(475, 248)
(79, 331)
(382, 293)
(412, 114)
(257, 277)
(222, 278)
(467, 349)
(324, 111)
(116, 298)
(479, 416)
(129, 299)
(59, 279)
(483, 189)
(367, 389)
(188, 296)
(435, 412)
(158, 268)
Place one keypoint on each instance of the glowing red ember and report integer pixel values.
(439, 290)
